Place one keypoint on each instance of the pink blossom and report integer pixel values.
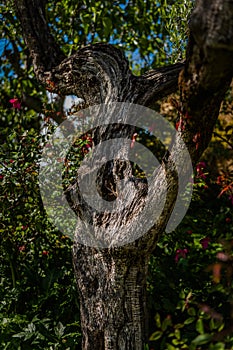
(22, 248)
(197, 140)
(180, 253)
(205, 308)
(222, 256)
(48, 145)
(205, 242)
(200, 166)
(180, 125)
(133, 140)
(15, 103)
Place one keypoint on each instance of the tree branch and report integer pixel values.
(100, 73)
(208, 72)
(97, 73)
(42, 46)
(156, 84)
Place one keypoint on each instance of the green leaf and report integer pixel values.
(179, 325)
(19, 335)
(200, 326)
(107, 24)
(189, 320)
(157, 320)
(156, 335)
(175, 342)
(177, 333)
(191, 311)
(59, 330)
(166, 322)
(217, 346)
(202, 339)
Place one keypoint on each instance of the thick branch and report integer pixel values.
(208, 71)
(97, 73)
(42, 46)
(94, 72)
(100, 74)
(156, 84)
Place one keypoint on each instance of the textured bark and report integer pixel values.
(111, 281)
(208, 72)
(97, 73)
(41, 44)
(112, 296)
(100, 74)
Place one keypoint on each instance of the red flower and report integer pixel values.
(1, 177)
(15, 103)
(200, 167)
(180, 253)
(45, 252)
(189, 232)
(88, 145)
(220, 179)
(205, 242)
(180, 125)
(197, 140)
(22, 248)
(133, 140)
(228, 220)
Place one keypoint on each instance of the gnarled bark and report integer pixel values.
(111, 281)
(112, 297)
(208, 72)
(44, 50)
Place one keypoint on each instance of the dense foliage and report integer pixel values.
(190, 277)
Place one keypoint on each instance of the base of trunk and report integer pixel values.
(112, 299)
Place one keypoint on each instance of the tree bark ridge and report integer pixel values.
(208, 72)
(44, 50)
(113, 301)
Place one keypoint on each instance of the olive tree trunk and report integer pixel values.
(112, 299)
(112, 281)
